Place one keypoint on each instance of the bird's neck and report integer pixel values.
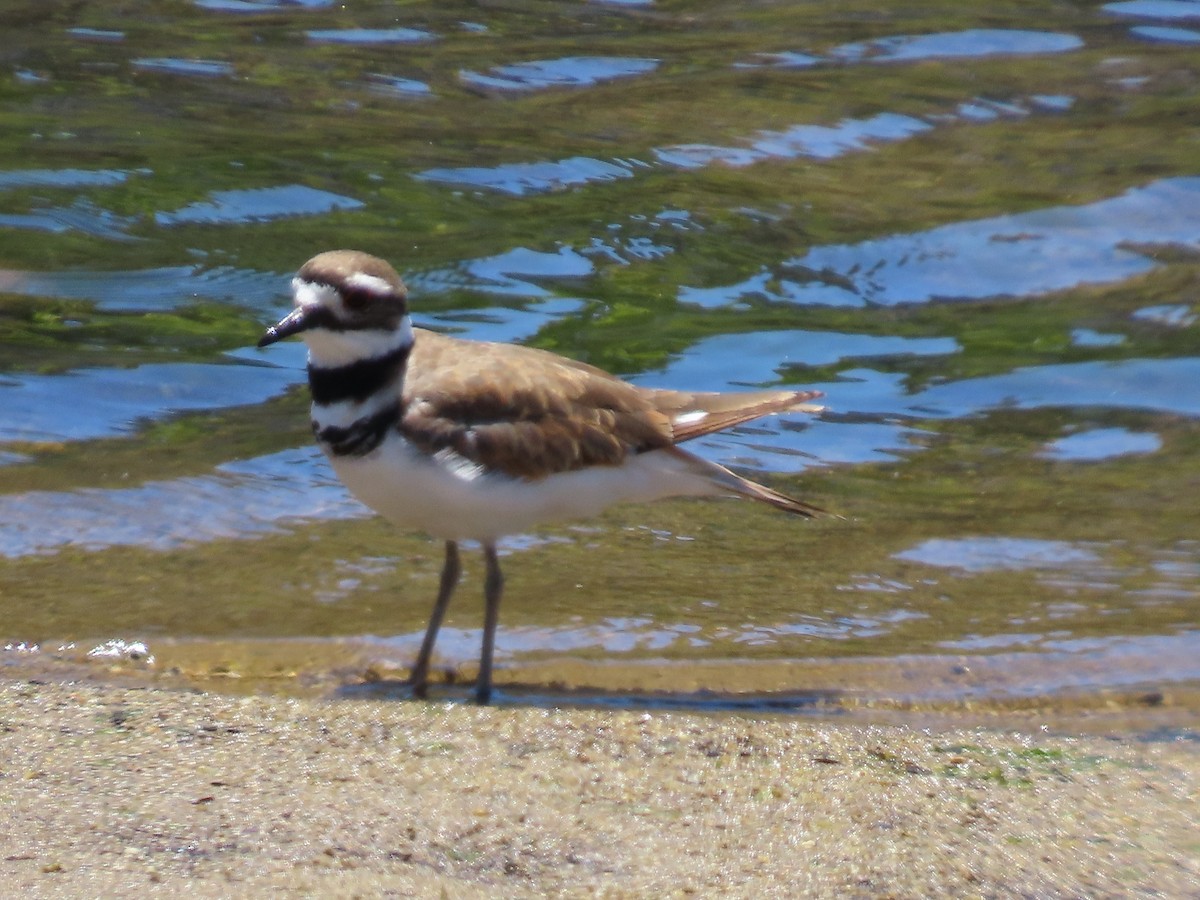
(356, 396)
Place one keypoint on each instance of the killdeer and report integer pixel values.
(467, 440)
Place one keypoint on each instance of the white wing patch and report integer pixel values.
(458, 465)
(691, 418)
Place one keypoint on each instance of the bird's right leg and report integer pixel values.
(450, 573)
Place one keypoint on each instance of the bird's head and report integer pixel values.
(350, 306)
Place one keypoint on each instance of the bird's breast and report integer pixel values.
(449, 498)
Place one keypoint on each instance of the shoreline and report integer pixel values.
(108, 786)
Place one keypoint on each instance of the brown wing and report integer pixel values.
(523, 411)
(529, 413)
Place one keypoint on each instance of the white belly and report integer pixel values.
(452, 501)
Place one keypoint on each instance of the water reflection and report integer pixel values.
(82, 216)
(1165, 34)
(984, 554)
(97, 34)
(151, 290)
(254, 6)
(816, 141)
(204, 68)
(567, 71)
(1084, 663)
(643, 634)
(1088, 337)
(239, 500)
(257, 205)
(1155, 574)
(812, 141)
(225, 208)
(66, 178)
(503, 325)
(1161, 385)
(370, 36)
(766, 285)
(394, 86)
(1154, 9)
(519, 179)
(756, 358)
(787, 59)
(1173, 315)
(1102, 443)
(1019, 255)
(515, 273)
(95, 403)
(976, 42)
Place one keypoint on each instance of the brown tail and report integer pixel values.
(748, 488)
(732, 483)
(695, 415)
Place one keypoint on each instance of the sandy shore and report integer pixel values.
(109, 789)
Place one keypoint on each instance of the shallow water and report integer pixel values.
(980, 238)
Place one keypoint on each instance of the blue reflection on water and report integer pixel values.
(1102, 443)
(1158, 385)
(257, 205)
(815, 141)
(1087, 337)
(1166, 35)
(204, 68)
(985, 554)
(251, 6)
(394, 86)
(1174, 315)
(787, 59)
(514, 273)
(96, 34)
(82, 216)
(66, 178)
(95, 403)
(812, 141)
(977, 42)
(519, 179)
(567, 71)
(240, 499)
(503, 325)
(757, 357)
(1023, 255)
(370, 36)
(1155, 9)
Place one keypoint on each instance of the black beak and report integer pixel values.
(299, 319)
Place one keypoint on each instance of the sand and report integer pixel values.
(108, 789)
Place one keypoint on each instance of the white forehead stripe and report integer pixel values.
(372, 284)
(310, 293)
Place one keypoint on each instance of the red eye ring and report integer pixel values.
(356, 300)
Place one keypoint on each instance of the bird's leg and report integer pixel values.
(450, 573)
(492, 589)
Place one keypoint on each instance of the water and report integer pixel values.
(979, 238)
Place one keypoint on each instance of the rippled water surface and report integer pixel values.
(978, 235)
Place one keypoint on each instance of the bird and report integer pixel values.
(472, 441)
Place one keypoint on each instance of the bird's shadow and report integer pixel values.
(542, 696)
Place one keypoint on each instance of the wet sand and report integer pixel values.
(107, 788)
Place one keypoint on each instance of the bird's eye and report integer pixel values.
(356, 300)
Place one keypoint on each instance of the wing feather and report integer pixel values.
(529, 413)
